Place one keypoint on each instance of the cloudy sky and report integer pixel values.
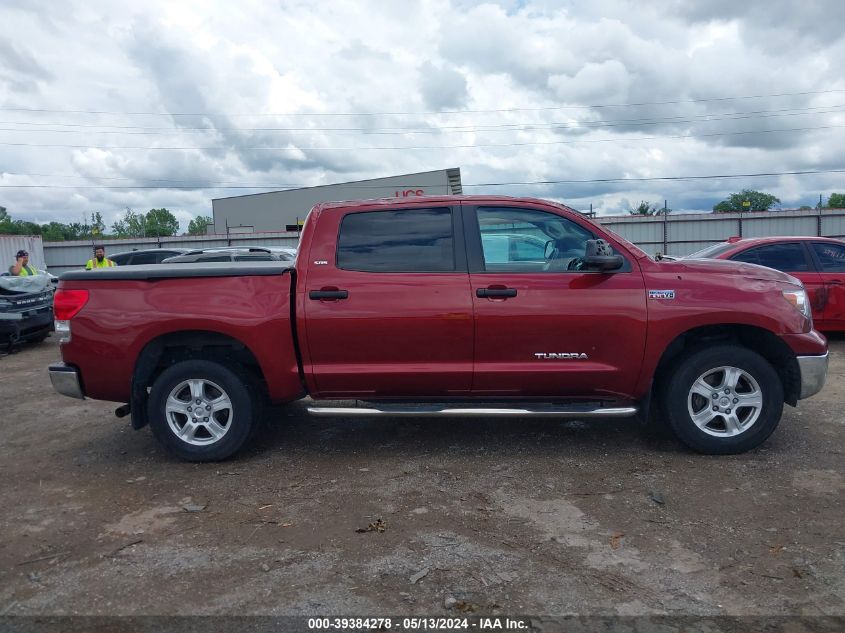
(107, 105)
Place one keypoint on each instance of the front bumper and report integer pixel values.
(813, 374)
(17, 327)
(66, 381)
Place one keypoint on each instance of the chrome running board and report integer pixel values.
(568, 412)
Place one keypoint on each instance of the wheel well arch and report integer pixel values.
(167, 349)
(765, 342)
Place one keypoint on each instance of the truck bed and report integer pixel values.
(138, 308)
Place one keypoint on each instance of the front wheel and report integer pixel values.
(201, 410)
(723, 400)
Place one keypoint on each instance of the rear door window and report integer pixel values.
(121, 260)
(144, 258)
(410, 240)
(788, 257)
(831, 256)
(253, 258)
(214, 258)
(164, 255)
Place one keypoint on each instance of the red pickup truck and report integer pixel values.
(469, 305)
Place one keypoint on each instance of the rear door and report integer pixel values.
(794, 259)
(388, 310)
(542, 330)
(830, 259)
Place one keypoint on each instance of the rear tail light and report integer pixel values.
(66, 305)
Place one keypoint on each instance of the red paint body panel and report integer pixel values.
(121, 317)
(713, 292)
(833, 315)
(397, 335)
(600, 315)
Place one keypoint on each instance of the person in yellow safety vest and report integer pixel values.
(100, 260)
(21, 267)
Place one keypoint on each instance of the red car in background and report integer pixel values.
(819, 262)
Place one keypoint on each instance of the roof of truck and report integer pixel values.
(453, 199)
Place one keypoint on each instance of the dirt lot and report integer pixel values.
(515, 516)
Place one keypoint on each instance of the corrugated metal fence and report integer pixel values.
(685, 233)
(678, 234)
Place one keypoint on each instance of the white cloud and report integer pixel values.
(258, 75)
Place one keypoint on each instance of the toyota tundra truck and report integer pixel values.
(417, 307)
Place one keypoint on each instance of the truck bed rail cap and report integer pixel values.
(179, 271)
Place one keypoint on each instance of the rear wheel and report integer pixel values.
(723, 400)
(201, 410)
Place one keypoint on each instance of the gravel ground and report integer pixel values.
(368, 517)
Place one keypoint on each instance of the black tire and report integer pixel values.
(677, 400)
(240, 418)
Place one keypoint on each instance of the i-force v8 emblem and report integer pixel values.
(661, 294)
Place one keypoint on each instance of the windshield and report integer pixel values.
(711, 251)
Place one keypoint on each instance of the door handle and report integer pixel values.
(490, 293)
(328, 295)
(834, 282)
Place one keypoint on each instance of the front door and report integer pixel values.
(831, 263)
(542, 330)
(388, 312)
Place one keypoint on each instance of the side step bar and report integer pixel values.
(571, 412)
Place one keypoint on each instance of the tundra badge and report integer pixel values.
(560, 355)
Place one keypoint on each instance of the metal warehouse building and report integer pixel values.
(284, 210)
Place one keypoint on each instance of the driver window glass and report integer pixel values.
(144, 258)
(524, 240)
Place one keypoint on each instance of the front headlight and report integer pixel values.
(798, 298)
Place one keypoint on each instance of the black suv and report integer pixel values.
(26, 309)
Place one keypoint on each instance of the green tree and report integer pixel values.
(758, 200)
(645, 208)
(8, 226)
(161, 223)
(130, 225)
(836, 201)
(57, 232)
(199, 225)
(98, 227)
(5, 222)
(77, 231)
